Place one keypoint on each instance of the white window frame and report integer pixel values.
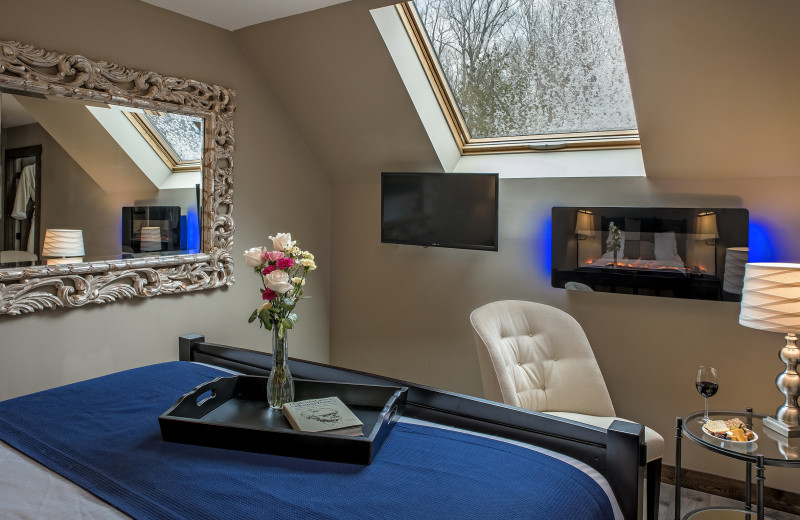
(468, 145)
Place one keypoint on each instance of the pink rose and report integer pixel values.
(273, 256)
(284, 263)
(268, 269)
(268, 294)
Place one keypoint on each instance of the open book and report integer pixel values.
(326, 415)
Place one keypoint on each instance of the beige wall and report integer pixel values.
(404, 311)
(697, 73)
(278, 187)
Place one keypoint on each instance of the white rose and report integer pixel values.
(278, 281)
(282, 241)
(252, 257)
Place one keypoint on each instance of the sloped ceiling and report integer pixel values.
(85, 139)
(714, 87)
(334, 75)
(235, 14)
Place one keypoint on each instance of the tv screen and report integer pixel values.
(151, 229)
(440, 209)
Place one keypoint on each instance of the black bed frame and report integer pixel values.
(617, 453)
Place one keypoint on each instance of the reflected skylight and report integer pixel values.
(184, 134)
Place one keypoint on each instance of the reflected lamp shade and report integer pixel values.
(707, 226)
(771, 301)
(584, 226)
(735, 260)
(66, 245)
(150, 239)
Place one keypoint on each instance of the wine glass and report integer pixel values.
(706, 383)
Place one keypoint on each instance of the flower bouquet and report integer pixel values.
(614, 241)
(282, 272)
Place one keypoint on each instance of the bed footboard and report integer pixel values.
(618, 453)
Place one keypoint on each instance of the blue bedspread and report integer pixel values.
(103, 434)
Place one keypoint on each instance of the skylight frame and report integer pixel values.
(468, 145)
(161, 146)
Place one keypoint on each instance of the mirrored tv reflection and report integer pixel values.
(697, 253)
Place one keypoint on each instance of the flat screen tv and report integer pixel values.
(440, 209)
(151, 229)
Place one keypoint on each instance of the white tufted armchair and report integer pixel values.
(537, 357)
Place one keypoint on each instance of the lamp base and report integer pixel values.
(787, 430)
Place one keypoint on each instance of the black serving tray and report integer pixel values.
(232, 413)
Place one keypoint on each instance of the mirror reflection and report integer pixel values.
(86, 181)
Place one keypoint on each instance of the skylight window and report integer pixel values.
(177, 138)
(516, 75)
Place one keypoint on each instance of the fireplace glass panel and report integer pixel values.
(696, 253)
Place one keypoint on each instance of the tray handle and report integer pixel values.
(391, 415)
(205, 398)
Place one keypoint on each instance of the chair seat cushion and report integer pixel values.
(654, 441)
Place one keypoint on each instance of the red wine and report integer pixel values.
(706, 388)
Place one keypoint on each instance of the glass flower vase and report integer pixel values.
(280, 385)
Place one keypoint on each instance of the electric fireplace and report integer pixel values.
(673, 252)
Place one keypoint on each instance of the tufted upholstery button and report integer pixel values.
(519, 363)
(544, 387)
(555, 359)
(530, 334)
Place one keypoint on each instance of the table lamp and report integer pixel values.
(771, 301)
(707, 231)
(584, 228)
(150, 239)
(64, 244)
(735, 260)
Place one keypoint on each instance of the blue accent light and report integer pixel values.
(543, 246)
(192, 231)
(761, 249)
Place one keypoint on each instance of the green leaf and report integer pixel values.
(286, 323)
(252, 317)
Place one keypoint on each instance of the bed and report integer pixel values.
(93, 450)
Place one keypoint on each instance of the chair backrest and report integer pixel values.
(537, 357)
(17, 256)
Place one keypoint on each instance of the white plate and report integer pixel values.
(755, 438)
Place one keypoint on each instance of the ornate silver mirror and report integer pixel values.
(132, 194)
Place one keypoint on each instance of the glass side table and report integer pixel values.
(769, 449)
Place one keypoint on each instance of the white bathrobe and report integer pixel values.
(26, 190)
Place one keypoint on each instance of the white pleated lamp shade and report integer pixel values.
(63, 243)
(585, 223)
(771, 297)
(150, 239)
(735, 260)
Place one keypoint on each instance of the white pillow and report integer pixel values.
(666, 248)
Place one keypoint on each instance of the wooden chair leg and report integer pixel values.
(653, 488)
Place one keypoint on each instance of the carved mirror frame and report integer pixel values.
(26, 69)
